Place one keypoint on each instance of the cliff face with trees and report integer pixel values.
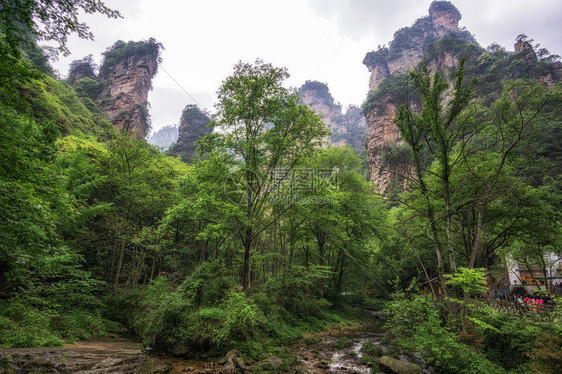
(164, 137)
(194, 124)
(347, 128)
(122, 86)
(437, 42)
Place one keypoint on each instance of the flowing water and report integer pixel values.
(322, 356)
(315, 354)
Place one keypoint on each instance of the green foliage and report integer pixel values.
(195, 125)
(84, 67)
(371, 361)
(342, 343)
(120, 52)
(512, 342)
(43, 98)
(311, 340)
(241, 322)
(372, 349)
(320, 90)
(23, 22)
(89, 88)
(207, 285)
(23, 324)
(471, 282)
(416, 325)
(177, 326)
(47, 20)
(295, 291)
(265, 127)
(89, 218)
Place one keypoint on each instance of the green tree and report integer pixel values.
(267, 129)
(46, 20)
(126, 186)
(343, 215)
(436, 129)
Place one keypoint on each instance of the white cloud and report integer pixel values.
(323, 40)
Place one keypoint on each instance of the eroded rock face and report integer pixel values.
(444, 17)
(124, 80)
(164, 137)
(403, 53)
(348, 128)
(194, 124)
(76, 74)
(124, 99)
(83, 68)
(407, 48)
(317, 96)
(378, 71)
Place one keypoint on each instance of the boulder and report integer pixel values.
(393, 366)
(232, 362)
(273, 363)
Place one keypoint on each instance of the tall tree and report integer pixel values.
(268, 130)
(436, 129)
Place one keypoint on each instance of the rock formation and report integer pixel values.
(437, 42)
(125, 78)
(526, 49)
(164, 137)
(83, 68)
(409, 43)
(403, 53)
(194, 124)
(348, 128)
(128, 68)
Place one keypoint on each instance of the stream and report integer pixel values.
(315, 353)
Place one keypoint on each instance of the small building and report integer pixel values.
(532, 276)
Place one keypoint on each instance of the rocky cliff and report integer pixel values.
(347, 128)
(405, 52)
(124, 80)
(437, 42)
(164, 137)
(194, 124)
(83, 68)
(407, 48)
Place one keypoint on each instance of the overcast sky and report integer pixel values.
(322, 40)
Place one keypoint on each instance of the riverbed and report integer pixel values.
(317, 353)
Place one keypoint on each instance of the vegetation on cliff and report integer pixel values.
(347, 128)
(194, 125)
(418, 36)
(121, 51)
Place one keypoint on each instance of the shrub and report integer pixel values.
(241, 319)
(416, 325)
(372, 349)
(22, 325)
(208, 284)
(342, 343)
(311, 340)
(509, 344)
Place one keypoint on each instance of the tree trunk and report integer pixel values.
(119, 265)
(477, 235)
(247, 250)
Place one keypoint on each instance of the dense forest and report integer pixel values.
(267, 232)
